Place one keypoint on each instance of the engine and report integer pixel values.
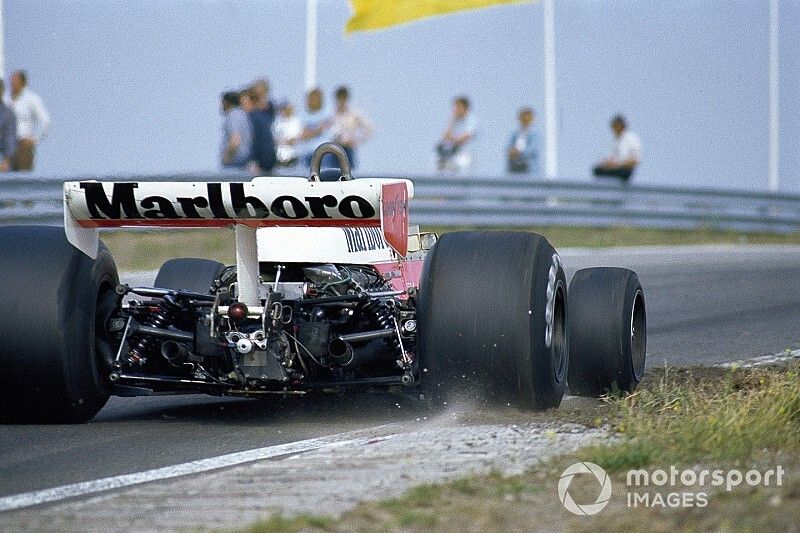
(318, 326)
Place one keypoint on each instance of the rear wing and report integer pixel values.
(265, 202)
(246, 206)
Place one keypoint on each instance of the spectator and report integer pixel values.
(288, 132)
(523, 148)
(625, 155)
(8, 132)
(263, 119)
(453, 149)
(33, 121)
(247, 100)
(349, 128)
(316, 124)
(237, 133)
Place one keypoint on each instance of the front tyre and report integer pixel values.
(54, 307)
(492, 319)
(607, 331)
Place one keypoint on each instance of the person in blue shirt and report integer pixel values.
(523, 147)
(262, 118)
(237, 133)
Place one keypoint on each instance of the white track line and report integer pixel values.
(764, 360)
(27, 499)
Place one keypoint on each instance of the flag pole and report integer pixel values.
(551, 130)
(311, 45)
(774, 97)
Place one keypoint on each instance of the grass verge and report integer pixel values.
(146, 250)
(695, 418)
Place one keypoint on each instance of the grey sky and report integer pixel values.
(134, 86)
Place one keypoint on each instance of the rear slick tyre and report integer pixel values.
(492, 320)
(607, 331)
(55, 304)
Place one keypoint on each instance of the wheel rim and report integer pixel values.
(638, 335)
(559, 344)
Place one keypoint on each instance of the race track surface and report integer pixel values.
(705, 305)
(711, 304)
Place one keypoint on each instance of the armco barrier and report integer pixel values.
(498, 201)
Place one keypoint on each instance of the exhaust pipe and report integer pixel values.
(341, 351)
(175, 352)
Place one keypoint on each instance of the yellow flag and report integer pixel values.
(377, 14)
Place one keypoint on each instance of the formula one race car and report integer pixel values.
(330, 291)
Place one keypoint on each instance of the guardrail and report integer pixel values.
(497, 201)
(515, 201)
(37, 199)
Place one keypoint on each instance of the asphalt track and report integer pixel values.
(705, 305)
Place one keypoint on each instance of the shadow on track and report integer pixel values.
(361, 407)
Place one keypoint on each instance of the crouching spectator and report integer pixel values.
(625, 155)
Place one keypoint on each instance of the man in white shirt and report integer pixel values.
(316, 127)
(33, 121)
(288, 133)
(624, 157)
(453, 149)
(350, 128)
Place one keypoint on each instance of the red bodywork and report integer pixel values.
(401, 274)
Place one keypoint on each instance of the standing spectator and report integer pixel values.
(33, 121)
(453, 149)
(316, 124)
(625, 155)
(523, 148)
(247, 100)
(350, 128)
(288, 132)
(8, 132)
(263, 119)
(237, 133)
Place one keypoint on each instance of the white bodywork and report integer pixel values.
(319, 245)
(323, 245)
(299, 220)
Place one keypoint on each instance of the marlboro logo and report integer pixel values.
(219, 201)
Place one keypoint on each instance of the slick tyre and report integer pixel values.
(56, 302)
(607, 331)
(492, 320)
(188, 274)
